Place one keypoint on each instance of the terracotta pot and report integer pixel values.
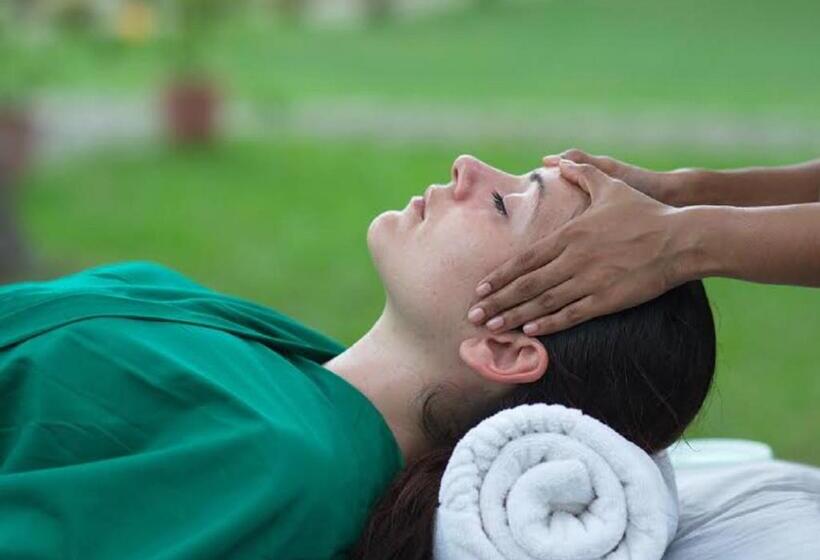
(16, 135)
(191, 111)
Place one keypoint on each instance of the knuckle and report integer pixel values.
(574, 153)
(511, 317)
(567, 234)
(608, 164)
(573, 314)
(572, 235)
(528, 257)
(586, 169)
(617, 181)
(528, 285)
(546, 299)
(500, 278)
(490, 306)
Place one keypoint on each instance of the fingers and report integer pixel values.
(576, 155)
(551, 161)
(573, 314)
(588, 177)
(588, 172)
(536, 284)
(604, 163)
(548, 300)
(534, 257)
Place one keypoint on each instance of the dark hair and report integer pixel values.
(644, 371)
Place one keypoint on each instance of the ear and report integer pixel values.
(509, 357)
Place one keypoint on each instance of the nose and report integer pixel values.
(466, 172)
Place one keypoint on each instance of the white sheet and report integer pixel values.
(767, 510)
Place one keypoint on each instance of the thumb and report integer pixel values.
(576, 155)
(611, 167)
(591, 180)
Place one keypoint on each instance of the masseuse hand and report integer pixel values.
(619, 252)
(665, 186)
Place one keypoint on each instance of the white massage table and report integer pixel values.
(738, 503)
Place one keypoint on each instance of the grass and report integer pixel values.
(284, 224)
(640, 55)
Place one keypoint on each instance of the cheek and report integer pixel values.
(554, 218)
(460, 250)
(430, 272)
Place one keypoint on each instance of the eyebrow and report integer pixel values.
(536, 176)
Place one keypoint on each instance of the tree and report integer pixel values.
(378, 10)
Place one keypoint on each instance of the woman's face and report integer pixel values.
(431, 255)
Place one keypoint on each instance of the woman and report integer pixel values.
(645, 371)
(146, 416)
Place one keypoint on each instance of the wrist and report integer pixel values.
(682, 187)
(697, 234)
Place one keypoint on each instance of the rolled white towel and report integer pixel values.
(547, 482)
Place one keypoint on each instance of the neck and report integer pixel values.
(391, 368)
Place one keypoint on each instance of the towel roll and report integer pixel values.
(547, 482)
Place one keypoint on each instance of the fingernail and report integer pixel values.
(551, 160)
(495, 323)
(484, 289)
(529, 328)
(476, 314)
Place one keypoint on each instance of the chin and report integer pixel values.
(379, 241)
(386, 251)
(381, 233)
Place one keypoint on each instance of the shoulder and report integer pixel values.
(115, 343)
(101, 278)
(139, 272)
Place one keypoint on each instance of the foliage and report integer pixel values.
(197, 27)
(636, 56)
(24, 66)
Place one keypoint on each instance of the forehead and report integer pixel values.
(560, 202)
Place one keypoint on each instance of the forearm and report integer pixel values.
(771, 244)
(753, 186)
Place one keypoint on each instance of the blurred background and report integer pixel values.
(249, 143)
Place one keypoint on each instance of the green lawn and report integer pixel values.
(284, 224)
(639, 55)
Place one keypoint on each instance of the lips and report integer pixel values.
(422, 203)
(419, 205)
(427, 193)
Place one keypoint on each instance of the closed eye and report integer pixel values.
(499, 203)
(498, 200)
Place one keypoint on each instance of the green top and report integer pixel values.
(145, 416)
